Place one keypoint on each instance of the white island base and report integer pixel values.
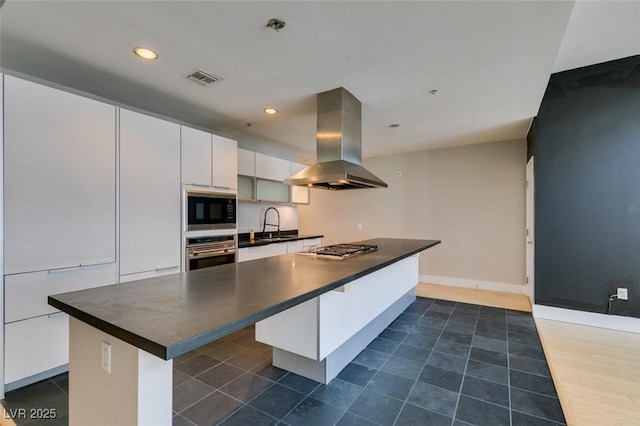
(127, 386)
(318, 338)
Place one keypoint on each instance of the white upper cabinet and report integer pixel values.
(225, 163)
(196, 157)
(208, 160)
(272, 168)
(246, 162)
(149, 194)
(59, 179)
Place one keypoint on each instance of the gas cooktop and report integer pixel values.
(341, 251)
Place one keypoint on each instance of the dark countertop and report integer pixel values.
(174, 314)
(261, 240)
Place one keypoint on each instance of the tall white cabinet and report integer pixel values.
(59, 217)
(149, 195)
(60, 179)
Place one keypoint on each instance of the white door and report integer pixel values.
(530, 233)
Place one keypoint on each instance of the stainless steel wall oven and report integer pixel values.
(204, 252)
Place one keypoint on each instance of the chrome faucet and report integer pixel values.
(264, 224)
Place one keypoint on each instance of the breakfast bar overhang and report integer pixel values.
(317, 313)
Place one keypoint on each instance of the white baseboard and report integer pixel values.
(477, 284)
(591, 319)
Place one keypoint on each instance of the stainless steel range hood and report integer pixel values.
(339, 153)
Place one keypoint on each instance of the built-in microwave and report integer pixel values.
(209, 210)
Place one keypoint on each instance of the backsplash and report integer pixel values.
(251, 215)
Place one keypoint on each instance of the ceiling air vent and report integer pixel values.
(202, 77)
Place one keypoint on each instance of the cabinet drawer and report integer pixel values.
(295, 246)
(26, 294)
(35, 345)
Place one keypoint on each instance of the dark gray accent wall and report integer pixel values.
(587, 183)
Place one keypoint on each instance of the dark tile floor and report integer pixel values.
(439, 363)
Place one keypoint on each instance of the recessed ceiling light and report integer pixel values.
(270, 111)
(145, 53)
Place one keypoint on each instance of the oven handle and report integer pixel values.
(200, 253)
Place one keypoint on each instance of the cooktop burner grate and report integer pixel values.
(343, 251)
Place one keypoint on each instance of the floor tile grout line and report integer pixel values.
(217, 389)
(464, 374)
(508, 369)
(406, 400)
(387, 360)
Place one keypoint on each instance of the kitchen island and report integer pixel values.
(123, 337)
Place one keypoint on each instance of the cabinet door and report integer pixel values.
(267, 190)
(196, 157)
(272, 168)
(295, 246)
(35, 345)
(149, 193)
(225, 163)
(246, 162)
(59, 178)
(311, 243)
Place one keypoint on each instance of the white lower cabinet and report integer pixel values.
(295, 246)
(277, 249)
(311, 243)
(35, 345)
(37, 334)
(260, 252)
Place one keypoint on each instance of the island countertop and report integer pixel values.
(173, 314)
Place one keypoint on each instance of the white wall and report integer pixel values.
(251, 215)
(471, 197)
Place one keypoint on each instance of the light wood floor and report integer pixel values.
(517, 302)
(596, 371)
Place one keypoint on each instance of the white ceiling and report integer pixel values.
(489, 60)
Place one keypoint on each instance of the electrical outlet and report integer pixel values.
(359, 226)
(623, 294)
(106, 357)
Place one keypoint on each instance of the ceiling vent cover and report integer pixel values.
(202, 77)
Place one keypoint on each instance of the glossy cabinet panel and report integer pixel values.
(59, 178)
(149, 193)
(196, 157)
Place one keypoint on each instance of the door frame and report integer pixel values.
(529, 231)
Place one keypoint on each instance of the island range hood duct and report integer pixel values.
(339, 146)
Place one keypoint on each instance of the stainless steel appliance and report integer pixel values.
(204, 252)
(339, 146)
(341, 251)
(209, 210)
